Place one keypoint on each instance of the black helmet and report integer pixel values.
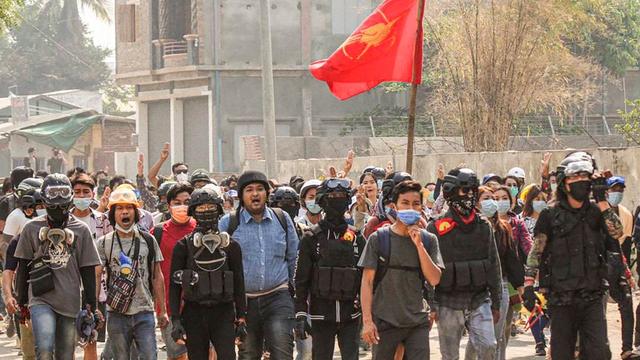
(296, 182)
(165, 187)
(250, 177)
(391, 181)
(28, 186)
(283, 193)
(57, 190)
(287, 199)
(332, 185)
(204, 196)
(575, 163)
(31, 199)
(459, 178)
(20, 173)
(200, 175)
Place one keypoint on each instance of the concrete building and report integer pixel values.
(196, 68)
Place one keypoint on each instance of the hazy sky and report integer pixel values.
(103, 33)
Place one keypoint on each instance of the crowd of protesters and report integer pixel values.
(252, 268)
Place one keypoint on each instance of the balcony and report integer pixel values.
(175, 53)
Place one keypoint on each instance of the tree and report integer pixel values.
(34, 57)
(69, 24)
(8, 12)
(116, 99)
(631, 127)
(496, 61)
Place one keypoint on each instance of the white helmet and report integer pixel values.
(313, 183)
(517, 173)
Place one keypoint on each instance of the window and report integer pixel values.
(126, 19)
(346, 15)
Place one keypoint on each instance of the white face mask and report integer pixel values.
(182, 177)
(41, 212)
(123, 230)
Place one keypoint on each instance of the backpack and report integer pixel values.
(384, 251)
(234, 221)
(157, 233)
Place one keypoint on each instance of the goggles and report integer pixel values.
(58, 191)
(334, 183)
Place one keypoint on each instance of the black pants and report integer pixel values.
(586, 318)
(324, 337)
(414, 339)
(205, 324)
(625, 306)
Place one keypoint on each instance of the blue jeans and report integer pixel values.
(500, 327)
(481, 331)
(270, 322)
(52, 332)
(123, 330)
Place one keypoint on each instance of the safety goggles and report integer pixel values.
(58, 191)
(334, 183)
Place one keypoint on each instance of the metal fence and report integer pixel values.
(396, 126)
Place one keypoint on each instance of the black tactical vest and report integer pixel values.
(466, 256)
(335, 272)
(207, 282)
(575, 255)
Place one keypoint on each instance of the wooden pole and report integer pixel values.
(268, 101)
(417, 68)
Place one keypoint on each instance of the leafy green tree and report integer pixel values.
(8, 12)
(631, 127)
(69, 25)
(116, 99)
(35, 57)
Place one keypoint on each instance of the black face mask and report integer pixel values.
(206, 220)
(291, 210)
(464, 204)
(580, 190)
(58, 215)
(335, 208)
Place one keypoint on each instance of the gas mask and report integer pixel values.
(211, 241)
(56, 236)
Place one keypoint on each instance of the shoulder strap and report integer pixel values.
(151, 256)
(283, 222)
(384, 253)
(234, 221)
(157, 232)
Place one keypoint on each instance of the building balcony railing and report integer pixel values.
(173, 53)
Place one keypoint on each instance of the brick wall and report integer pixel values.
(117, 137)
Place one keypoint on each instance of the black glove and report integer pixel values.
(178, 332)
(241, 331)
(302, 328)
(529, 298)
(599, 189)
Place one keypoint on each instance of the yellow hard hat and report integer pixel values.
(525, 191)
(123, 195)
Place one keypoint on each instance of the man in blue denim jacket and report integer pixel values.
(269, 245)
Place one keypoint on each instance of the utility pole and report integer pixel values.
(268, 101)
(417, 68)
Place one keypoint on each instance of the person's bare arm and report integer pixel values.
(369, 330)
(430, 270)
(159, 296)
(155, 168)
(99, 270)
(7, 291)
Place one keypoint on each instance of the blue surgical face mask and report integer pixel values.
(503, 206)
(539, 205)
(41, 212)
(614, 198)
(312, 207)
(488, 207)
(391, 212)
(554, 186)
(82, 204)
(409, 217)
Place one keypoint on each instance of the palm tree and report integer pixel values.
(68, 16)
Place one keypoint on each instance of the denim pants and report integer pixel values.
(270, 322)
(500, 328)
(52, 332)
(123, 330)
(482, 336)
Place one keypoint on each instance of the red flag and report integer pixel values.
(382, 48)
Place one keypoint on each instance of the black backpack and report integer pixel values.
(234, 221)
(384, 255)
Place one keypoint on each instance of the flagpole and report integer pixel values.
(414, 89)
